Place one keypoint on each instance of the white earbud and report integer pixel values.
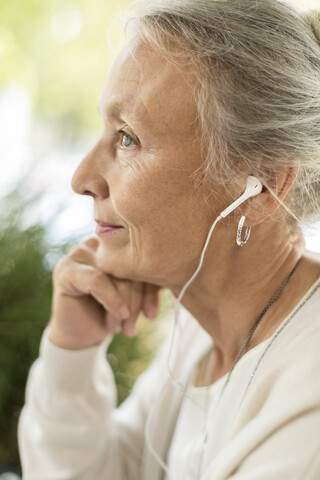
(253, 188)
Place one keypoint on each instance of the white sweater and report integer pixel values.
(69, 428)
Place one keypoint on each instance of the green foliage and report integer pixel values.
(25, 291)
(25, 304)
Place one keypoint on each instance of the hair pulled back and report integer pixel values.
(258, 95)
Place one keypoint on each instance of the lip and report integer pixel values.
(103, 227)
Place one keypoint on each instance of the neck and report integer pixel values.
(234, 287)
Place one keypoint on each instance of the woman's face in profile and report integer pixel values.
(139, 172)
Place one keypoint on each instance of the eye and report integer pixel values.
(126, 141)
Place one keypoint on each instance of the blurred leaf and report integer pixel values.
(25, 304)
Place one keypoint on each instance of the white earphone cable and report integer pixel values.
(148, 426)
(175, 382)
(177, 305)
(253, 188)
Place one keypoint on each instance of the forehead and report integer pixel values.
(143, 85)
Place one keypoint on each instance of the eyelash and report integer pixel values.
(122, 133)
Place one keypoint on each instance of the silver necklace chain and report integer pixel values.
(277, 333)
(253, 329)
(257, 322)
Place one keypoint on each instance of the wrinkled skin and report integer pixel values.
(139, 176)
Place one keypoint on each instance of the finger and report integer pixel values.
(87, 280)
(112, 323)
(129, 325)
(92, 243)
(151, 300)
(136, 298)
(82, 254)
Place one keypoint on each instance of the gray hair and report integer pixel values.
(258, 92)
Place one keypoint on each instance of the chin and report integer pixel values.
(117, 263)
(121, 264)
(111, 262)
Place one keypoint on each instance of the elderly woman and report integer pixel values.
(211, 129)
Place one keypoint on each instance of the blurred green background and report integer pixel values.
(54, 57)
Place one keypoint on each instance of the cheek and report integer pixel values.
(160, 211)
(156, 196)
(164, 216)
(142, 198)
(155, 186)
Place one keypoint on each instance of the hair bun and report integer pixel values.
(313, 20)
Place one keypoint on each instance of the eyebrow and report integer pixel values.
(123, 106)
(112, 111)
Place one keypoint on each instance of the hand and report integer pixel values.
(88, 304)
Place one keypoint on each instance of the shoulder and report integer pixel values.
(285, 377)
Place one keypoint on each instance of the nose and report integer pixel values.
(87, 179)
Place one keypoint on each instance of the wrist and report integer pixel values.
(69, 341)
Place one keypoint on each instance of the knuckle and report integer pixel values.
(92, 242)
(72, 250)
(59, 267)
(78, 252)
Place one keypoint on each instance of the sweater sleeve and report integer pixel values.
(69, 428)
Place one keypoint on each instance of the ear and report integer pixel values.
(266, 204)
